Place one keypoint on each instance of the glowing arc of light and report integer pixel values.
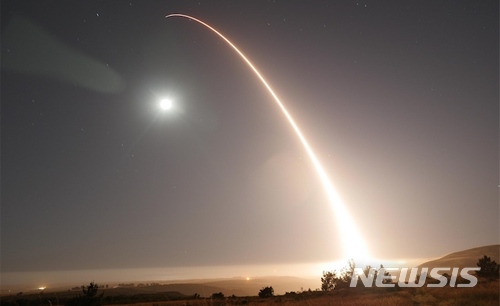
(352, 243)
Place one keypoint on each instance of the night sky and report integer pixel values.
(399, 100)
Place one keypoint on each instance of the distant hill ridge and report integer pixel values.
(466, 258)
(237, 286)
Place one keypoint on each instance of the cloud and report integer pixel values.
(29, 49)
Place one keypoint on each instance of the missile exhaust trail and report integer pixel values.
(353, 245)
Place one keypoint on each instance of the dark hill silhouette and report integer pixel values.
(466, 258)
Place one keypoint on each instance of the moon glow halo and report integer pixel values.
(166, 104)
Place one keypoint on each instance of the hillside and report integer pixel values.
(466, 258)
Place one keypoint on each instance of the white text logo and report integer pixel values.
(383, 278)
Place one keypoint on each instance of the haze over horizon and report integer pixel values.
(399, 100)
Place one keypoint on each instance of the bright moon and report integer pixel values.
(165, 104)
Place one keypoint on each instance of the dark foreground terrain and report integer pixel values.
(485, 293)
(242, 291)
